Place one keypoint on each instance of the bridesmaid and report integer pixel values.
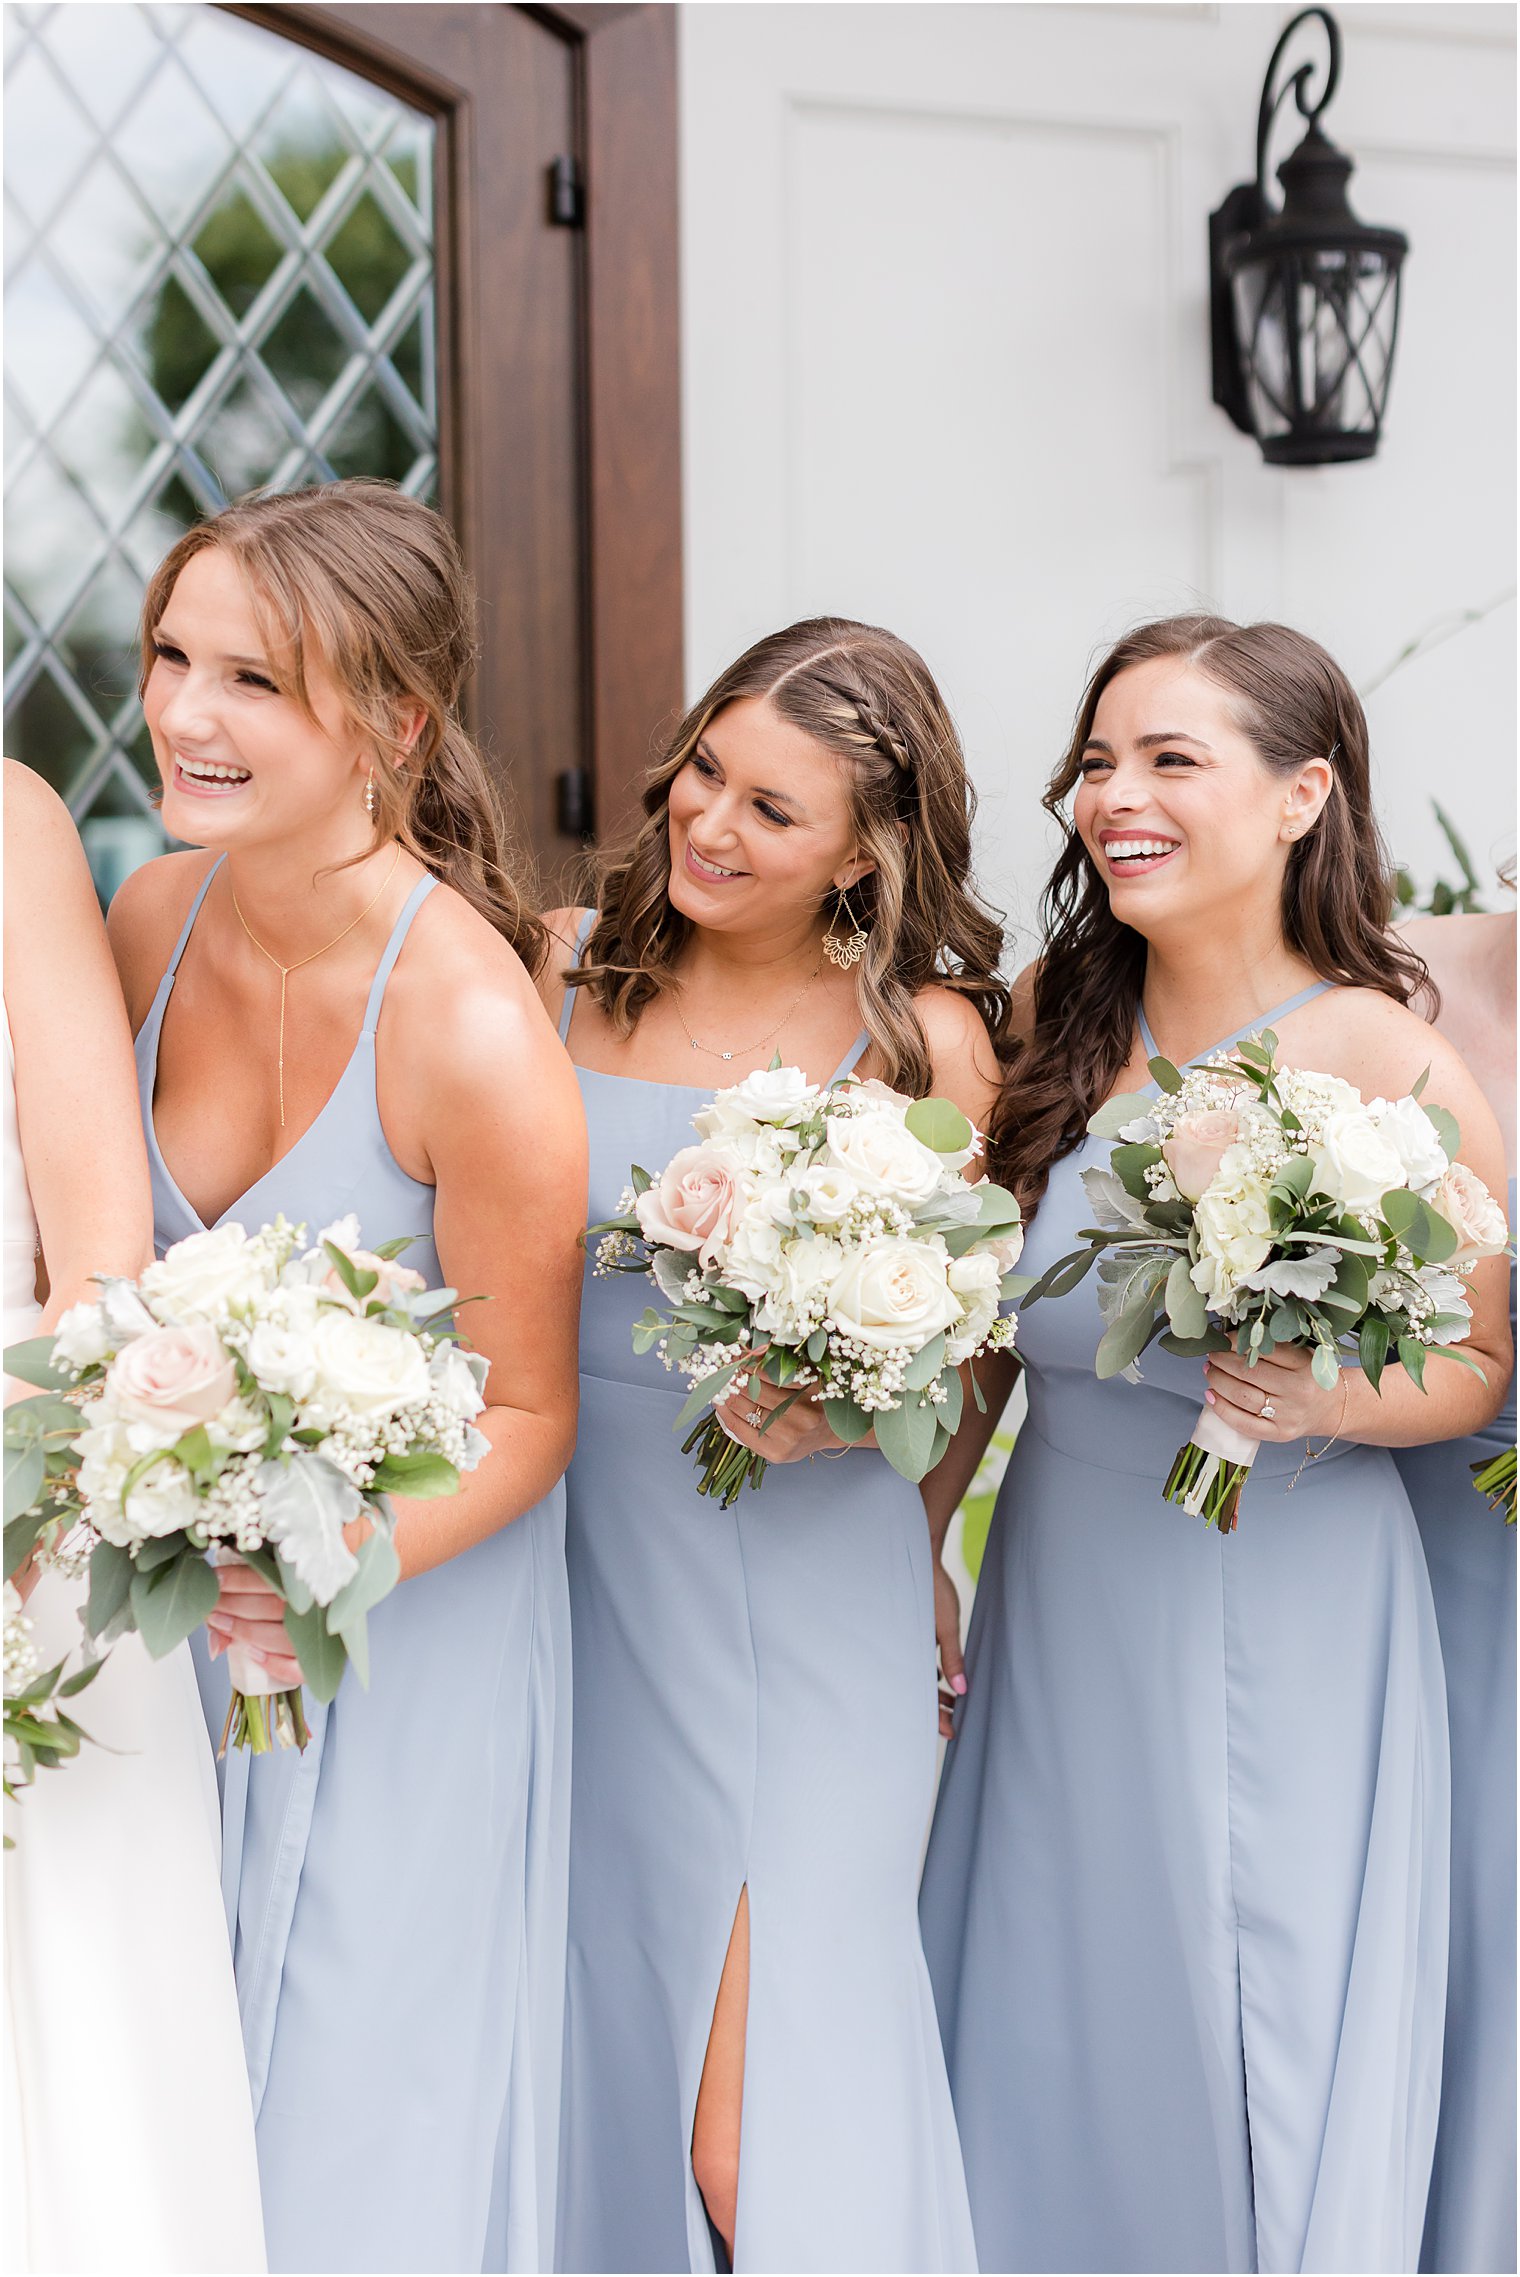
(128, 2136)
(335, 1014)
(1471, 1555)
(1185, 1899)
(754, 1720)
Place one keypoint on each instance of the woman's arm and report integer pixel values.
(76, 1084)
(506, 1137)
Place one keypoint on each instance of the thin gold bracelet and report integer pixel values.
(1318, 1454)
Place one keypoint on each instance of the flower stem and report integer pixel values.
(262, 1722)
(1208, 1485)
(723, 1464)
(1495, 1480)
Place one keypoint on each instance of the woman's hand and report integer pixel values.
(802, 1431)
(947, 1634)
(251, 1614)
(1277, 1399)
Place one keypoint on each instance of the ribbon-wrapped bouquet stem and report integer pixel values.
(248, 1397)
(1247, 1206)
(824, 1239)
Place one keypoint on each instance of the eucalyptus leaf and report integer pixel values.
(1194, 1347)
(110, 1581)
(423, 1474)
(322, 1655)
(1126, 1339)
(939, 1125)
(1448, 1130)
(955, 1403)
(31, 1361)
(21, 1537)
(1111, 1117)
(167, 1606)
(1412, 1357)
(847, 1421)
(379, 1571)
(1163, 1074)
(1185, 1308)
(163, 1550)
(639, 1180)
(1325, 1367)
(25, 1470)
(925, 1366)
(702, 1394)
(905, 1436)
(347, 1272)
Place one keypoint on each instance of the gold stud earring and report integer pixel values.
(846, 950)
(371, 796)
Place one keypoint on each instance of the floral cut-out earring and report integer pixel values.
(845, 950)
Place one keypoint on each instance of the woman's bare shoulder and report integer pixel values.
(1373, 1041)
(147, 913)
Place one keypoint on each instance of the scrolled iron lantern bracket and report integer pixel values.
(1304, 297)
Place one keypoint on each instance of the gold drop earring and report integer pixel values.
(847, 950)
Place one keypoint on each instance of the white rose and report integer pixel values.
(366, 1366)
(1234, 1237)
(283, 1358)
(827, 1193)
(884, 1158)
(207, 1274)
(976, 1281)
(1354, 1164)
(753, 1263)
(1412, 1135)
(81, 1336)
(772, 1096)
(458, 1379)
(162, 1501)
(894, 1293)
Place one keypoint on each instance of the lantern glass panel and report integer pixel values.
(1317, 328)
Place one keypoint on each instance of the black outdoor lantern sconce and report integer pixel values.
(1304, 297)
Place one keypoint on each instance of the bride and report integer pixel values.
(128, 2137)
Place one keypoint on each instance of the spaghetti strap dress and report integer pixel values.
(396, 1894)
(1185, 1901)
(755, 1706)
(1471, 1555)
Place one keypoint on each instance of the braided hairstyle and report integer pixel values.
(867, 697)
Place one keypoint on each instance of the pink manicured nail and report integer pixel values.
(957, 1683)
(1209, 1396)
(218, 1647)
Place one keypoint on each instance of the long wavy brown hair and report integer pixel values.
(869, 698)
(1294, 703)
(372, 582)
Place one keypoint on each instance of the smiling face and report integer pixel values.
(1181, 815)
(240, 762)
(761, 823)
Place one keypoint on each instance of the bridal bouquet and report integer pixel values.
(825, 1239)
(1248, 1206)
(251, 1397)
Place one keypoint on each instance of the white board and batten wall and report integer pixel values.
(946, 368)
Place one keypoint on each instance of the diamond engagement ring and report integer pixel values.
(755, 1418)
(1268, 1410)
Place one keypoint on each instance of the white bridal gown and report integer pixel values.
(128, 2133)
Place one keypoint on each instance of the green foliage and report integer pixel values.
(939, 1125)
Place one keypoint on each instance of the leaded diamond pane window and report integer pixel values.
(219, 275)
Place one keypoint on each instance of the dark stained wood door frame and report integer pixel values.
(624, 129)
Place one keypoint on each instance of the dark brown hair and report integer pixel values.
(372, 581)
(869, 698)
(1295, 704)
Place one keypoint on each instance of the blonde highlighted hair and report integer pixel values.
(372, 583)
(870, 699)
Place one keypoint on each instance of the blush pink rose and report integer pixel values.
(174, 1378)
(392, 1279)
(1474, 1216)
(694, 1203)
(1198, 1145)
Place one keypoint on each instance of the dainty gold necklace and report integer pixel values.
(285, 971)
(715, 1051)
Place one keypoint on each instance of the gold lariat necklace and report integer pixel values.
(285, 971)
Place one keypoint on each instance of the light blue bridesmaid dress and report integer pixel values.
(1471, 1555)
(1185, 1899)
(397, 1893)
(755, 1704)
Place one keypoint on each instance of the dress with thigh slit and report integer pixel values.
(1471, 1555)
(396, 1894)
(755, 1705)
(1185, 1902)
